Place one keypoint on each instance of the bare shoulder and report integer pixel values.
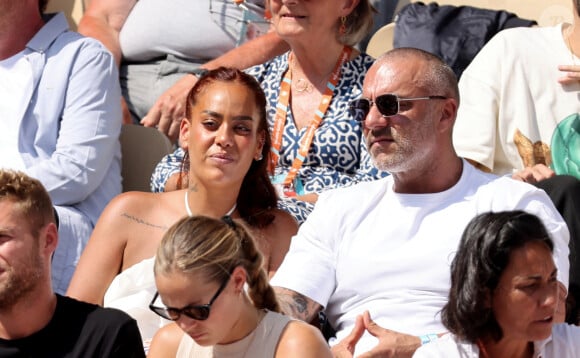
(166, 341)
(278, 236)
(284, 224)
(300, 339)
(141, 208)
(128, 201)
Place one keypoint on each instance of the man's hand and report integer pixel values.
(345, 348)
(169, 108)
(571, 74)
(391, 343)
(534, 174)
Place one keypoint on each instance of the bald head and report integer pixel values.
(427, 71)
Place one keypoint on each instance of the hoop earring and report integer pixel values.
(260, 157)
(342, 28)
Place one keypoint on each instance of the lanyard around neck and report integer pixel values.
(282, 110)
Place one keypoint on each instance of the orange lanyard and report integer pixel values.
(282, 110)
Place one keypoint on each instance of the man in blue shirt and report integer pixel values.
(61, 119)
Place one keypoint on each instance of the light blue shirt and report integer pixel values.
(68, 136)
(69, 132)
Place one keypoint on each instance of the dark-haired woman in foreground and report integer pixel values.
(504, 294)
(201, 268)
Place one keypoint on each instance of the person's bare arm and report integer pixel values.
(301, 339)
(281, 233)
(103, 20)
(250, 53)
(297, 305)
(102, 258)
(166, 341)
(169, 108)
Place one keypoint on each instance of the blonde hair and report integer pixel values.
(358, 23)
(214, 247)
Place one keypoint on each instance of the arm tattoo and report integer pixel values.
(143, 222)
(297, 305)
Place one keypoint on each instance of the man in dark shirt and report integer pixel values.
(34, 321)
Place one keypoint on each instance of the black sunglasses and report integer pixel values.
(197, 312)
(387, 104)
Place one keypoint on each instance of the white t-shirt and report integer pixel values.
(368, 248)
(511, 104)
(15, 84)
(563, 343)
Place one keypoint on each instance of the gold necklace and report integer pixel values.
(303, 85)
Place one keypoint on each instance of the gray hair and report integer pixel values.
(438, 78)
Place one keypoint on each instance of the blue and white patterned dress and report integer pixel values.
(337, 157)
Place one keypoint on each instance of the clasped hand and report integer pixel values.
(572, 74)
(391, 343)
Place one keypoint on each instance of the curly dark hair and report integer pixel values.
(482, 256)
(257, 195)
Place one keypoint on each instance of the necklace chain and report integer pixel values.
(302, 84)
(190, 213)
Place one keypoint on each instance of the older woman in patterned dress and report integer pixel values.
(321, 35)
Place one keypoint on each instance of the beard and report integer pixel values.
(20, 281)
(393, 159)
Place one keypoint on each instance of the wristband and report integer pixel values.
(426, 338)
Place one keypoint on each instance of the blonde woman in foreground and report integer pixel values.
(201, 268)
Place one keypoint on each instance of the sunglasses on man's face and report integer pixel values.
(197, 312)
(387, 104)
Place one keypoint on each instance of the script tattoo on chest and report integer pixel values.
(143, 222)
